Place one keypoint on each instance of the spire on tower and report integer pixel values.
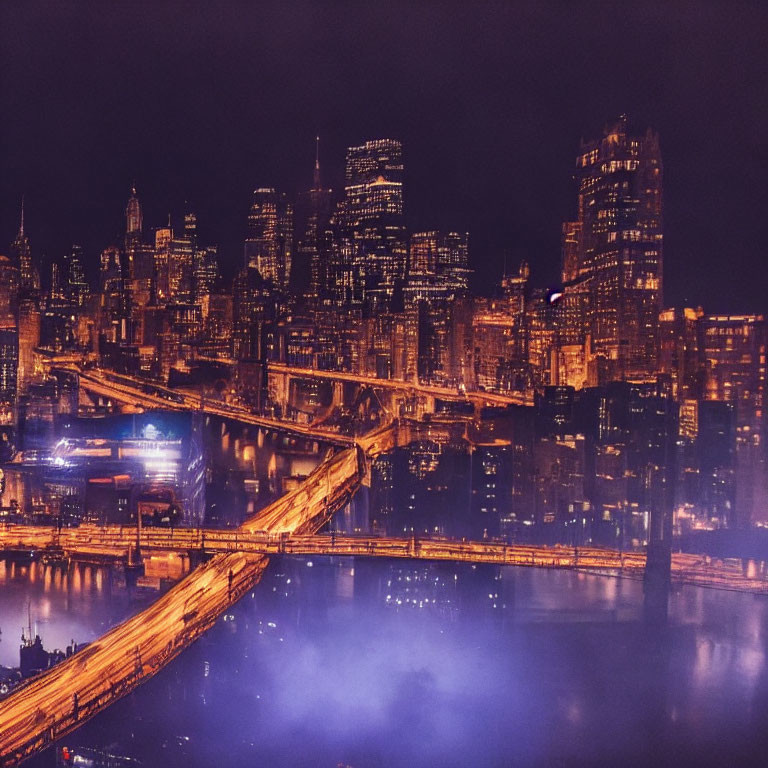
(316, 179)
(21, 225)
(133, 217)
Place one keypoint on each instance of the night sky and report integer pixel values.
(205, 102)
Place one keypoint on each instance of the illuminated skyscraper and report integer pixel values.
(444, 255)
(206, 272)
(9, 290)
(75, 284)
(570, 250)
(314, 213)
(139, 269)
(9, 363)
(163, 237)
(619, 233)
(133, 216)
(679, 356)
(269, 245)
(372, 219)
(29, 278)
(29, 338)
(113, 298)
(734, 349)
(181, 256)
(251, 308)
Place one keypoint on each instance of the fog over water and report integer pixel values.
(373, 663)
(321, 666)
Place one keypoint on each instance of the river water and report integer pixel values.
(362, 663)
(343, 662)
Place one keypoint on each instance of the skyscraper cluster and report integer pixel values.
(337, 282)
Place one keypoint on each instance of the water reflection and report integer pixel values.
(64, 601)
(381, 663)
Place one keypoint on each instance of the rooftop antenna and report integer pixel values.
(28, 628)
(21, 225)
(317, 163)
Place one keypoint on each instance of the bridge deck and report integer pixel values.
(59, 700)
(114, 541)
(129, 393)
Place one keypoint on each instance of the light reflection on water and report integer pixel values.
(317, 667)
(64, 603)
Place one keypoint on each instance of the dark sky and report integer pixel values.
(205, 102)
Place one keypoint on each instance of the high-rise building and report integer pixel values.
(9, 290)
(29, 278)
(619, 234)
(75, 284)
(371, 218)
(163, 237)
(571, 234)
(113, 299)
(679, 356)
(9, 363)
(734, 348)
(734, 351)
(312, 250)
(574, 363)
(252, 306)
(445, 255)
(206, 272)
(269, 244)
(181, 256)
(29, 338)
(133, 216)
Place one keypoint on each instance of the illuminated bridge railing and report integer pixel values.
(118, 542)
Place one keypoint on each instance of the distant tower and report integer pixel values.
(316, 176)
(314, 213)
(133, 218)
(29, 279)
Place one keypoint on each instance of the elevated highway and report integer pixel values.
(394, 386)
(130, 392)
(59, 700)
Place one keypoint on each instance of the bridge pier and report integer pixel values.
(660, 482)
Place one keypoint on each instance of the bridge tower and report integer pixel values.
(660, 483)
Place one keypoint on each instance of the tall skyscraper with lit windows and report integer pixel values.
(314, 214)
(269, 244)
(76, 286)
(617, 240)
(373, 219)
(133, 216)
(29, 277)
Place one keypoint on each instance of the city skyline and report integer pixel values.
(508, 185)
(383, 383)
